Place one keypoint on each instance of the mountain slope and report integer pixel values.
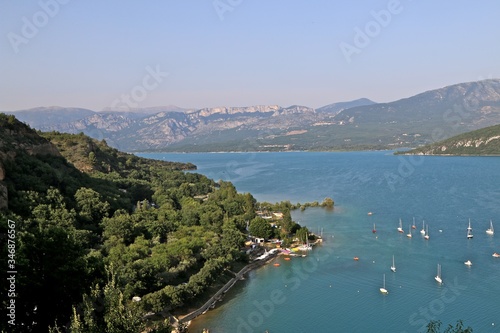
(361, 124)
(45, 116)
(484, 141)
(337, 107)
(124, 227)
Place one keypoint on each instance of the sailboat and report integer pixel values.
(427, 232)
(383, 290)
(414, 226)
(400, 228)
(438, 276)
(469, 231)
(490, 231)
(374, 229)
(393, 267)
(409, 232)
(423, 228)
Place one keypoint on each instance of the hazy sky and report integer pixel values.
(97, 54)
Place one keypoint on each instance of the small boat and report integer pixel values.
(374, 230)
(469, 231)
(496, 255)
(287, 258)
(438, 276)
(276, 265)
(356, 258)
(427, 232)
(393, 267)
(409, 233)
(400, 228)
(468, 263)
(383, 290)
(423, 228)
(414, 226)
(370, 213)
(490, 231)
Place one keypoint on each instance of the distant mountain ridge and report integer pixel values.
(360, 124)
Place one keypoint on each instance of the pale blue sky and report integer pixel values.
(90, 53)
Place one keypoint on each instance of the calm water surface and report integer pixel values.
(330, 292)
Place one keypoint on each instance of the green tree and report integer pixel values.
(434, 326)
(91, 207)
(261, 228)
(106, 310)
(302, 234)
(328, 203)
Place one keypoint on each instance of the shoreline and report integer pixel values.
(186, 319)
(219, 295)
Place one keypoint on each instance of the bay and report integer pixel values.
(328, 291)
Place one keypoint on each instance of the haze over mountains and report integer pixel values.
(361, 124)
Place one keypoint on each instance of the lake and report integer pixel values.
(328, 291)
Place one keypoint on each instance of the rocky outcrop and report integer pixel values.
(485, 141)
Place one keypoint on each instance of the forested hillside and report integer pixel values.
(96, 228)
(484, 142)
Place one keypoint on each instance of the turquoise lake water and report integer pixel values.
(330, 292)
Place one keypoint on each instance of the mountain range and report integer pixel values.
(425, 118)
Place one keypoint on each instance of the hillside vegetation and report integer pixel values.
(485, 141)
(103, 238)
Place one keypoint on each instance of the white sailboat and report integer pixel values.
(423, 228)
(414, 226)
(427, 232)
(438, 276)
(490, 231)
(393, 267)
(468, 263)
(383, 290)
(469, 231)
(409, 232)
(400, 228)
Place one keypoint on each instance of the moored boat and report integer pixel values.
(469, 231)
(383, 290)
(438, 276)
(400, 228)
(490, 231)
(393, 267)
